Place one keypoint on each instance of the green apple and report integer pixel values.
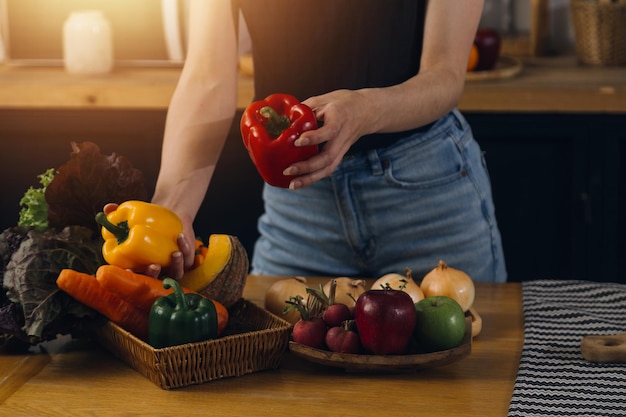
(440, 323)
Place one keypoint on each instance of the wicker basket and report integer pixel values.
(600, 29)
(257, 342)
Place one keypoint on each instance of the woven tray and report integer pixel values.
(256, 342)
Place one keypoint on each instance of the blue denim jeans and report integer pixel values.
(423, 199)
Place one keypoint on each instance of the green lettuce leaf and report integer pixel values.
(34, 208)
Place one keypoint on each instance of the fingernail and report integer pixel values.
(301, 142)
(294, 185)
(154, 268)
(290, 171)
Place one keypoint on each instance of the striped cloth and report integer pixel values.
(553, 378)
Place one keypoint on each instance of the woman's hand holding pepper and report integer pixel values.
(180, 259)
(345, 115)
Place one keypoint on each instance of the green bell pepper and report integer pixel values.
(181, 318)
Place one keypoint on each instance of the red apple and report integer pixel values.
(487, 41)
(385, 320)
(440, 323)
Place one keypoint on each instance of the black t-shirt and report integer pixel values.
(310, 47)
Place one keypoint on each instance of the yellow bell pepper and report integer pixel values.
(138, 234)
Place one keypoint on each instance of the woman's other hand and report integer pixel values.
(343, 114)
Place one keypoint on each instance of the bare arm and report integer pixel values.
(448, 35)
(200, 113)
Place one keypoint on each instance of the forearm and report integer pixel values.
(416, 102)
(201, 110)
(195, 132)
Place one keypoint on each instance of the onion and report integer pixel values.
(280, 292)
(347, 290)
(456, 284)
(400, 282)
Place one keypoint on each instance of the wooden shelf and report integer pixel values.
(551, 85)
(556, 84)
(32, 88)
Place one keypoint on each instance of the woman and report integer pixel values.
(399, 182)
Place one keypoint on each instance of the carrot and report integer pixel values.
(222, 315)
(137, 289)
(86, 289)
(142, 290)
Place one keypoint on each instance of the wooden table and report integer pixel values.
(80, 378)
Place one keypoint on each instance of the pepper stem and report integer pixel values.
(276, 123)
(120, 230)
(181, 302)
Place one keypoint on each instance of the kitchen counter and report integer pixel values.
(83, 379)
(556, 84)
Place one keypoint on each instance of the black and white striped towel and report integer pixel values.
(553, 378)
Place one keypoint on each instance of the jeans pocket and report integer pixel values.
(431, 163)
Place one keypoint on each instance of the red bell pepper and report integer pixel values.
(269, 128)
